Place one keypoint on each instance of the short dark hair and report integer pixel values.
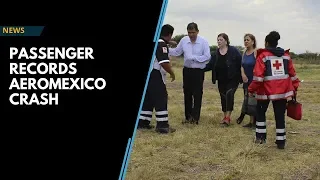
(192, 26)
(166, 30)
(225, 37)
(272, 38)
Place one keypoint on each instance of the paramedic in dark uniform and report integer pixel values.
(156, 96)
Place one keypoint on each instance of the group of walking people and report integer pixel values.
(266, 74)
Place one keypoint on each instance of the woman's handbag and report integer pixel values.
(249, 105)
(294, 109)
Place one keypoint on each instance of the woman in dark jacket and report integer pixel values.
(225, 65)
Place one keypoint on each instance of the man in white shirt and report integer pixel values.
(196, 52)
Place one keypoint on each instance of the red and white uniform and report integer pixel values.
(274, 77)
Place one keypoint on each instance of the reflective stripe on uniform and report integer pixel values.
(261, 123)
(259, 79)
(162, 119)
(275, 96)
(280, 131)
(146, 112)
(270, 78)
(146, 115)
(261, 130)
(294, 78)
(268, 58)
(281, 138)
(162, 113)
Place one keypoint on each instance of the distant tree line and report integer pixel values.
(307, 57)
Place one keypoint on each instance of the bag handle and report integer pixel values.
(294, 97)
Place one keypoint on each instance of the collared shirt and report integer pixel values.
(196, 55)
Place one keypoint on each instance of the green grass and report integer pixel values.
(208, 151)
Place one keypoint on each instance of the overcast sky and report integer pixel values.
(297, 21)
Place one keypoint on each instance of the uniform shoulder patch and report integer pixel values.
(164, 49)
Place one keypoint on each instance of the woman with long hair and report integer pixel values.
(248, 62)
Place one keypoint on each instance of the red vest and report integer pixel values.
(273, 77)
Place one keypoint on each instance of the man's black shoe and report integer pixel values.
(188, 120)
(193, 121)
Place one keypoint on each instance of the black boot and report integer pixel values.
(280, 145)
(144, 124)
(240, 118)
(260, 141)
(164, 128)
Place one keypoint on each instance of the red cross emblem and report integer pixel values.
(277, 65)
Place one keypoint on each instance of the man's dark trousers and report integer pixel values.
(193, 89)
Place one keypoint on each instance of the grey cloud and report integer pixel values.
(297, 20)
(215, 15)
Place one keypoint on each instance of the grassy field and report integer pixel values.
(208, 151)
